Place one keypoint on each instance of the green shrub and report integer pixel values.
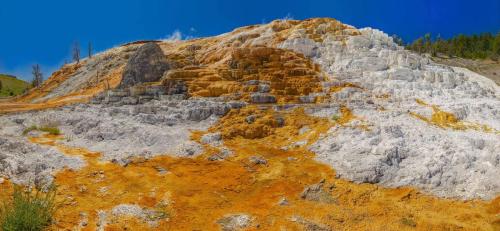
(30, 210)
(335, 117)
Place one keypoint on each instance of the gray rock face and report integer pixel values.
(262, 98)
(147, 65)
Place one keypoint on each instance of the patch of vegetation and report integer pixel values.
(485, 45)
(29, 209)
(335, 117)
(50, 130)
(408, 221)
(11, 86)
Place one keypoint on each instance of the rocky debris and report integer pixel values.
(257, 160)
(188, 148)
(147, 215)
(234, 222)
(223, 154)
(214, 139)
(147, 64)
(262, 98)
(283, 202)
(316, 193)
(310, 225)
(250, 119)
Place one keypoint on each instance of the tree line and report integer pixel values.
(477, 46)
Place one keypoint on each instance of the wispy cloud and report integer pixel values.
(288, 16)
(175, 36)
(178, 35)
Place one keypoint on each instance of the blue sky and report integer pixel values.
(43, 31)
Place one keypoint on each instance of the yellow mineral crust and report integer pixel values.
(445, 119)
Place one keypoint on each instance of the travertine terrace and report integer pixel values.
(291, 125)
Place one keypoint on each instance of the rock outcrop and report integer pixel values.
(147, 64)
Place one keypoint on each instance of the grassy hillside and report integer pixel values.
(12, 86)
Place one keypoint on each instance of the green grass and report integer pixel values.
(30, 210)
(12, 86)
(50, 130)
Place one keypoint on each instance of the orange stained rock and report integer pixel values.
(193, 193)
(288, 74)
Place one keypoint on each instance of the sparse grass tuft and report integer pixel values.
(29, 129)
(29, 209)
(408, 221)
(50, 130)
(335, 117)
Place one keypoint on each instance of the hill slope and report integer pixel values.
(11, 86)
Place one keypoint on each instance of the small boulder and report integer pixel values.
(256, 160)
(235, 222)
(316, 192)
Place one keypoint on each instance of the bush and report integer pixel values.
(30, 210)
(335, 117)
